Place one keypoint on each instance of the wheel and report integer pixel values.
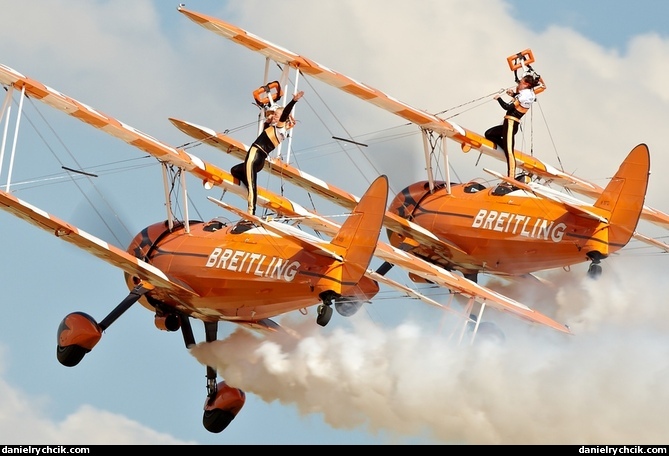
(594, 271)
(347, 307)
(324, 314)
(222, 408)
(216, 420)
(71, 355)
(490, 331)
(77, 335)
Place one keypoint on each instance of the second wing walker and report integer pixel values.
(511, 230)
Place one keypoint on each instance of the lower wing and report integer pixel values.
(113, 255)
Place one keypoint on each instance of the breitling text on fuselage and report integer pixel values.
(519, 224)
(253, 263)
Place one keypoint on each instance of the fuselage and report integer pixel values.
(239, 271)
(497, 232)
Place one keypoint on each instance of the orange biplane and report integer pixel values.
(512, 229)
(259, 268)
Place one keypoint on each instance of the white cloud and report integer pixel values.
(25, 420)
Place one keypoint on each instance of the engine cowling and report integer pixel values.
(405, 204)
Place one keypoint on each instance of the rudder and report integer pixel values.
(624, 196)
(359, 235)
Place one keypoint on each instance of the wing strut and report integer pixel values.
(429, 150)
(168, 199)
(470, 318)
(290, 135)
(7, 107)
(168, 206)
(447, 168)
(468, 311)
(182, 174)
(428, 161)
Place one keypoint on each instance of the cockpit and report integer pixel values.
(473, 187)
(216, 224)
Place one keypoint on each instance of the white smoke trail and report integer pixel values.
(604, 385)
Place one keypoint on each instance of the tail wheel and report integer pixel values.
(324, 314)
(594, 271)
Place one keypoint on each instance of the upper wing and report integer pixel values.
(467, 138)
(325, 74)
(209, 173)
(109, 253)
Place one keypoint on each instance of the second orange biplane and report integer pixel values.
(256, 269)
(509, 230)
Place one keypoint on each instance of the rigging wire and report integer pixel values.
(74, 178)
(340, 124)
(550, 135)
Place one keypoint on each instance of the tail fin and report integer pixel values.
(624, 197)
(357, 239)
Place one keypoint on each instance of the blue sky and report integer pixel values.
(388, 376)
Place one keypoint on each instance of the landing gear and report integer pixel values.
(486, 330)
(491, 332)
(347, 307)
(324, 314)
(325, 309)
(223, 402)
(78, 333)
(222, 407)
(595, 269)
